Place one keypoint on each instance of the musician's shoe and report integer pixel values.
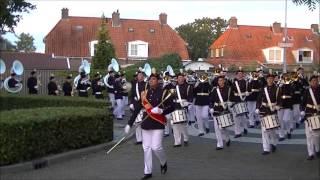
(289, 135)
(273, 148)
(177, 145)
(297, 125)
(318, 154)
(310, 158)
(201, 134)
(137, 143)
(251, 126)
(245, 131)
(218, 148)
(119, 119)
(265, 152)
(186, 143)
(228, 143)
(237, 135)
(207, 130)
(165, 135)
(257, 123)
(281, 139)
(163, 168)
(146, 176)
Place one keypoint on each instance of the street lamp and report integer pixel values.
(285, 41)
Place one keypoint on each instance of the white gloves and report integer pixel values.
(211, 111)
(302, 113)
(36, 87)
(157, 110)
(247, 93)
(257, 111)
(127, 129)
(131, 107)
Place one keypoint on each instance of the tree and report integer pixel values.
(10, 11)
(310, 3)
(104, 50)
(6, 45)
(25, 43)
(200, 34)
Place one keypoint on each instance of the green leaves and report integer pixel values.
(312, 4)
(25, 43)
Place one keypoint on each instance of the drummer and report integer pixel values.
(219, 106)
(266, 106)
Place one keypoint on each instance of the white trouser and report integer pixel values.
(112, 100)
(268, 138)
(202, 117)
(139, 133)
(313, 140)
(296, 114)
(221, 133)
(240, 123)
(124, 104)
(178, 131)
(119, 108)
(167, 125)
(285, 118)
(152, 142)
(191, 113)
(252, 115)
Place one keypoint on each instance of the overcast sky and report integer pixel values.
(262, 13)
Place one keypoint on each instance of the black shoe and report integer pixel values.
(281, 139)
(310, 158)
(297, 125)
(257, 123)
(178, 145)
(273, 148)
(137, 143)
(245, 131)
(265, 152)
(119, 119)
(318, 154)
(207, 130)
(237, 135)
(163, 168)
(186, 143)
(201, 134)
(228, 143)
(165, 135)
(146, 176)
(251, 126)
(289, 135)
(218, 148)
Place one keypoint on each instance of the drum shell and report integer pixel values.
(240, 109)
(270, 122)
(314, 122)
(179, 116)
(225, 120)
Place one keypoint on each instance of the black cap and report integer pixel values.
(239, 70)
(299, 68)
(270, 75)
(180, 74)
(51, 77)
(221, 77)
(117, 75)
(33, 72)
(68, 77)
(313, 77)
(156, 75)
(82, 73)
(13, 74)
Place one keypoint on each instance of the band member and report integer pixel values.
(261, 78)
(202, 91)
(285, 112)
(118, 90)
(182, 99)
(13, 82)
(67, 87)
(135, 103)
(191, 79)
(53, 87)
(124, 92)
(167, 85)
(83, 85)
(254, 87)
(157, 103)
(32, 83)
(310, 107)
(302, 79)
(298, 91)
(218, 106)
(110, 88)
(267, 105)
(238, 95)
(97, 86)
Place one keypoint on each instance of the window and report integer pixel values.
(221, 52)
(138, 50)
(274, 55)
(134, 49)
(130, 30)
(304, 56)
(93, 47)
(152, 30)
(211, 53)
(217, 52)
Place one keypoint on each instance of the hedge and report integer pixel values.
(9, 101)
(28, 134)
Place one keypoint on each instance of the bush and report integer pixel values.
(33, 133)
(9, 101)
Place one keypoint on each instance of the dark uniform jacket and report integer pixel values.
(111, 82)
(97, 88)
(123, 83)
(135, 100)
(262, 81)
(186, 93)
(235, 97)
(262, 102)
(254, 88)
(202, 94)
(31, 83)
(118, 90)
(52, 87)
(155, 96)
(298, 91)
(307, 103)
(12, 82)
(285, 96)
(215, 102)
(67, 88)
(83, 86)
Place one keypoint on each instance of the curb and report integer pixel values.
(58, 158)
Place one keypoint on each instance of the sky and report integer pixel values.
(40, 21)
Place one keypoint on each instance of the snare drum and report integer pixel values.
(270, 122)
(225, 120)
(314, 122)
(139, 116)
(179, 116)
(240, 108)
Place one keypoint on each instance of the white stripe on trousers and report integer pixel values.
(180, 130)
(240, 122)
(167, 125)
(202, 117)
(285, 118)
(221, 133)
(152, 142)
(124, 103)
(112, 100)
(296, 114)
(139, 133)
(118, 109)
(268, 138)
(313, 140)
(252, 115)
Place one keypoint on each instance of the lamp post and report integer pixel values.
(285, 40)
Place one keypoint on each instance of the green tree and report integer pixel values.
(25, 43)
(310, 3)
(200, 34)
(104, 50)
(10, 13)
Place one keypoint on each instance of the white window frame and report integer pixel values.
(142, 49)
(217, 53)
(91, 46)
(266, 53)
(303, 62)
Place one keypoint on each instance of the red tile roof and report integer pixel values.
(243, 46)
(65, 40)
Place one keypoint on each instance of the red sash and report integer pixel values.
(157, 117)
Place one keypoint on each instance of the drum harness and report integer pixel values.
(314, 100)
(239, 91)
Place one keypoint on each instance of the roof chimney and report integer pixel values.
(64, 13)
(233, 22)
(315, 28)
(276, 27)
(116, 19)
(163, 18)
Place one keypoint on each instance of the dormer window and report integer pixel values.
(304, 55)
(273, 55)
(138, 50)
(130, 29)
